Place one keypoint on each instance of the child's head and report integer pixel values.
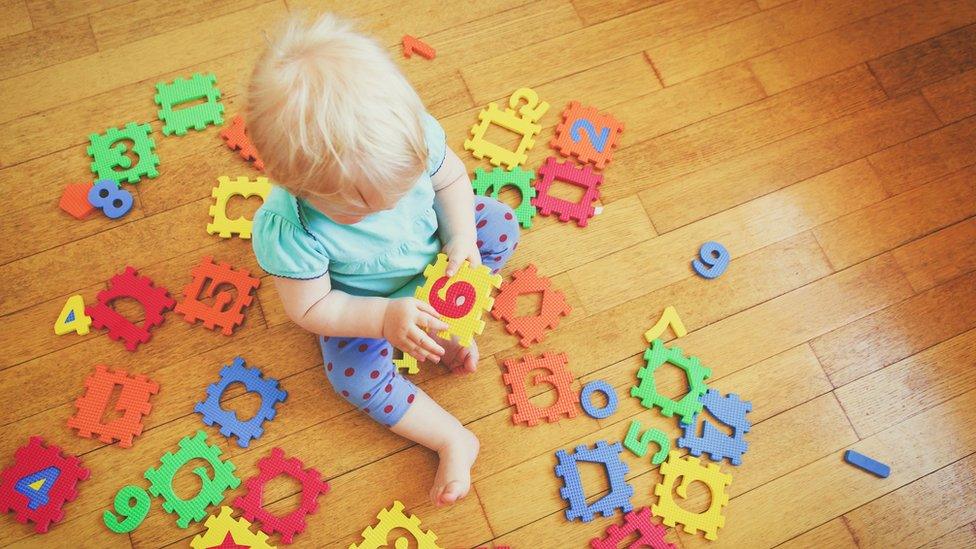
(334, 119)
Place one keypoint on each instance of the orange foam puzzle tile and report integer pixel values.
(74, 200)
(587, 134)
(559, 376)
(225, 311)
(531, 329)
(235, 136)
(132, 405)
(413, 45)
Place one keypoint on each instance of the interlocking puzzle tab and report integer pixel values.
(582, 176)
(253, 381)
(491, 183)
(73, 318)
(523, 122)
(598, 386)
(106, 195)
(712, 261)
(559, 377)
(198, 116)
(211, 489)
(407, 362)
(731, 411)
(269, 467)
(225, 311)
(656, 356)
(39, 483)
(391, 519)
(460, 300)
(74, 200)
(572, 491)
(531, 329)
(596, 146)
(668, 318)
(132, 405)
(224, 532)
(639, 445)
(222, 193)
(235, 136)
(133, 503)
(109, 159)
(639, 520)
(155, 301)
(413, 45)
(690, 469)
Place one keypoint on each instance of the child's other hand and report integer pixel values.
(405, 325)
(458, 250)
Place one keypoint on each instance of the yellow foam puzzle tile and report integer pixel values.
(690, 469)
(522, 117)
(227, 188)
(391, 519)
(462, 299)
(222, 526)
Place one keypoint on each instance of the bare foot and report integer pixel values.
(453, 479)
(460, 360)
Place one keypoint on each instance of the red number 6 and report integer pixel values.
(460, 298)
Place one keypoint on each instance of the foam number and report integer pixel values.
(639, 445)
(577, 135)
(533, 109)
(108, 197)
(524, 121)
(110, 153)
(461, 304)
(459, 297)
(37, 486)
(598, 141)
(73, 317)
(132, 503)
(713, 260)
(668, 318)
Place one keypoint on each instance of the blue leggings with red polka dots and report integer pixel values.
(361, 369)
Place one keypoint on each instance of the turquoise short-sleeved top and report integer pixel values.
(382, 255)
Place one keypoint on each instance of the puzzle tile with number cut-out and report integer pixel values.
(225, 311)
(532, 328)
(109, 158)
(39, 482)
(226, 532)
(460, 300)
(154, 300)
(392, 519)
(132, 405)
(587, 134)
(226, 189)
(491, 183)
(695, 374)
(731, 411)
(639, 521)
(524, 121)
(199, 87)
(620, 492)
(559, 376)
(582, 176)
(690, 469)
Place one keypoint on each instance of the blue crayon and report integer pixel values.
(866, 463)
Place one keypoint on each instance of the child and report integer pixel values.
(367, 193)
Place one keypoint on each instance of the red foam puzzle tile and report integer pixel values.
(587, 134)
(39, 483)
(585, 177)
(74, 200)
(235, 136)
(154, 300)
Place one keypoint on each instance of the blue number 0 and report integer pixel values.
(599, 142)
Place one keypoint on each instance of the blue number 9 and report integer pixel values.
(108, 197)
(713, 261)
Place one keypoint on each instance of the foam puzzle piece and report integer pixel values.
(460, 300)
(132, 405)
(252, 502)
(133, 503)
(106, 195)
(39, 483)
(222, 193)
(524, 122)
(211, 489)
(690, 469)
(870, 465)
(407, 362)
(225, 311)
(639, 445)
(154, 300)
(731, 411)
(224, 532)
(235, 136)
(74, 200)
(598, 386)
(72, 317)
(587, 134)
(687, 406)
(581, 176)
(713, 260)
(391, 519)
(199, 87)
(109, 160)
(559, 376)
(253, 381)
(491, 183)
(572, 491)
(668, 318)
(530, 329)
(649, 533)
(413, 45)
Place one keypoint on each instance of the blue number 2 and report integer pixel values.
(599, 142)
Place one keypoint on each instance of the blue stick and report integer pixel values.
(866, 463)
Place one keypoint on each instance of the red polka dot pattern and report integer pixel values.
(410, 398)
(388, 409)
(363, 347)
(349, 372)
(481, 224)
(479, 207)
(503, 238)
(384, 352)
(374, 374)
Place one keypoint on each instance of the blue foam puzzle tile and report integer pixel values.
(731, 411)
(229, 423)
(572, 490)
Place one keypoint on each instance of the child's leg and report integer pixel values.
(498, 231)
(361, 371)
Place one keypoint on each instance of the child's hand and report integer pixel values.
(458, 250)
(405, 325)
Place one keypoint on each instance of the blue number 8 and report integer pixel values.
(599, 142)
(714, 260)
(108, 197)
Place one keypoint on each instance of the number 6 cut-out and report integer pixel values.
(599, 142)
(460, 297)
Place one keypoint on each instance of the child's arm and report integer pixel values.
(454, 204)
(316, 307)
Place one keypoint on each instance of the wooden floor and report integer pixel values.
(830, 145)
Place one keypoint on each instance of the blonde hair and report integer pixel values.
(328, 109)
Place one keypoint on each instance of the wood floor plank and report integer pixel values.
(596, 11)
(939, 257)
(918, 65)
(860, 41)
(49, 12)
(927, 157)
(45, 47)
(964, 536)
(756, 34)
(662, 260)
(900, 219)
(17, 17)
(829, 534)
(548, 59)
(953, 98)
(752, 126)
(677, 202)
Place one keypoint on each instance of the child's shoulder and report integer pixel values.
(282, 244)
(280, 205)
